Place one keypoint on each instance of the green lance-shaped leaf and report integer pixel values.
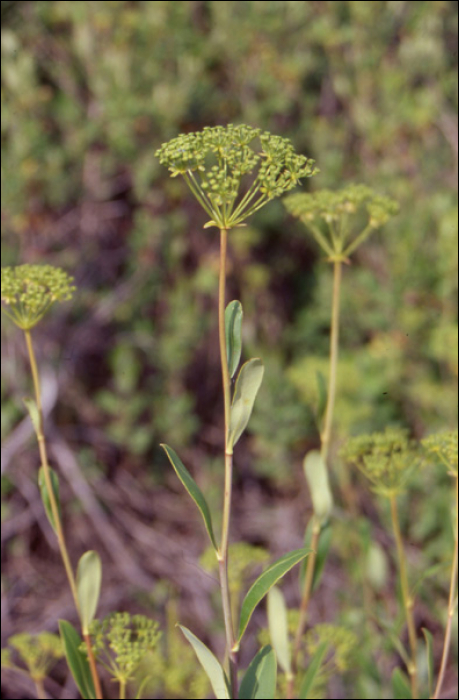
(88, 581)
(44, 493)
(210, 664)
(262, 585)
(77, 660)
(247, 386)
(316, 474)
(278, 628)
(313, 670)
(430, 660)
(260, 678)
(323, 547)
(193, 489)
(34, 414)
(400, 685)
(233, 331)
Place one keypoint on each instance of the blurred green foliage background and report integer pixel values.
(90, 90)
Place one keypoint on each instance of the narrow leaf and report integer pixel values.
(247, 386)
(316, 474)
(45, 494)
(34, 414)
(88, 581)
(400, 685)
(233, 330)
(193, 489)
(210, 665)
(313, 669)
(264, 582)
(260, 678)
(278, 628)
(76, 659)
(322, 396)
(430, 659)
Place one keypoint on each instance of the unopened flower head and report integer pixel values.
(216, 160)
(387, 459)
(331, 211)
(28, 291)
(444, 446)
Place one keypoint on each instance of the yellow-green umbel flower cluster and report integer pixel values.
(28, 291)
(121, 642)
(387, 459)
(39, 652)
(444, 446)
(215, 161)
(328, 215)
(342, 641)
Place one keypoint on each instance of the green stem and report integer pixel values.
(52, 499)
(357, 241)
(334, 344)
(407, 599)
(223, 550)
(451, 608)
(199, 194)
(321, 240)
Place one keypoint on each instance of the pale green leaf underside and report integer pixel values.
(247, 386)
(233, 331)
(210, 665)
(316, 474)
(278, 628)
(34, 414)
(260, 678)
(193, 489)
(88, 582)
(264, 582)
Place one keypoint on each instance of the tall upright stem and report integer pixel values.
(53, 503)
(325, 443)
(223, 550)
(407, 599)
(451, 607)
(334, 342)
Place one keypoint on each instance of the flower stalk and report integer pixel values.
(28, 292)
(232, 172)
(223, 549)
(444, 446)
(326, 214)
(406, 597)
